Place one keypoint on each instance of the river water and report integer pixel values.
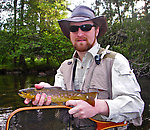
(9, 99)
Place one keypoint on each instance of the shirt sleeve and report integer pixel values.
(59, 80)
(126, 103)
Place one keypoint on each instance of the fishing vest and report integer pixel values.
(98, 77)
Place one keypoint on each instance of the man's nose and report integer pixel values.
(80, 32)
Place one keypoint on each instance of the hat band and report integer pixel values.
(78, 19)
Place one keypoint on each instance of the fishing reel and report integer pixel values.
(98, 59)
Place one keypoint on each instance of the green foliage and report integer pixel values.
(128, 31)
(5, 46)
(56, 46)
(36, 34)
(31, 35)
(132, 40)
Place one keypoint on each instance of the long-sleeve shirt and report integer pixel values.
(126, 102)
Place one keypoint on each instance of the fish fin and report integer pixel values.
(90, 98)
(60, 103)
(21, 95)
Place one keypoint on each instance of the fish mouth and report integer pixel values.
(22, 93)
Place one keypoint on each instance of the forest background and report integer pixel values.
(31, 40)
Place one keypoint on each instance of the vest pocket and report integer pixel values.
(102, 93)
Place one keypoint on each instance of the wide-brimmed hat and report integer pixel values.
(83, 13)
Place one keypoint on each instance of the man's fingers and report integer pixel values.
(26, 101)
(75, 109)
(42, 99)
(79, 114)
(45, 85)
(37, 98)
(42, 85)
(38, 86)
(71, 103)
(48, 101)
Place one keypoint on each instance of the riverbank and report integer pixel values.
(36, 70)
(47, 71)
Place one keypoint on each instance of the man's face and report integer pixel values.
(83, 40)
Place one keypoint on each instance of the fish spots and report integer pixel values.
(58, 95)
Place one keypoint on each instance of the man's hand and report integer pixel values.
(82, 109)
(40, 99)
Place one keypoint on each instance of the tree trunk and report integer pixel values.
(15, 16)
(22, 12)
(22, 61)
(47, 61)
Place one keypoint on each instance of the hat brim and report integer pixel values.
(100, 21)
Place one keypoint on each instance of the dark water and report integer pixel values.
(9, 99)
(41, 119)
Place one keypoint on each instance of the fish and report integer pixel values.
(58, 95)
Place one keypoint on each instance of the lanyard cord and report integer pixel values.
(74, 70)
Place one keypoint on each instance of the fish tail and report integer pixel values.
(90, 98)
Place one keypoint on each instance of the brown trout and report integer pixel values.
(58, 95)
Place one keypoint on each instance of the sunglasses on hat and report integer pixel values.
(84, 27)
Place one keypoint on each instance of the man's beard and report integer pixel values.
(82, 47)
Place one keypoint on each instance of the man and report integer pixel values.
(95, 69)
